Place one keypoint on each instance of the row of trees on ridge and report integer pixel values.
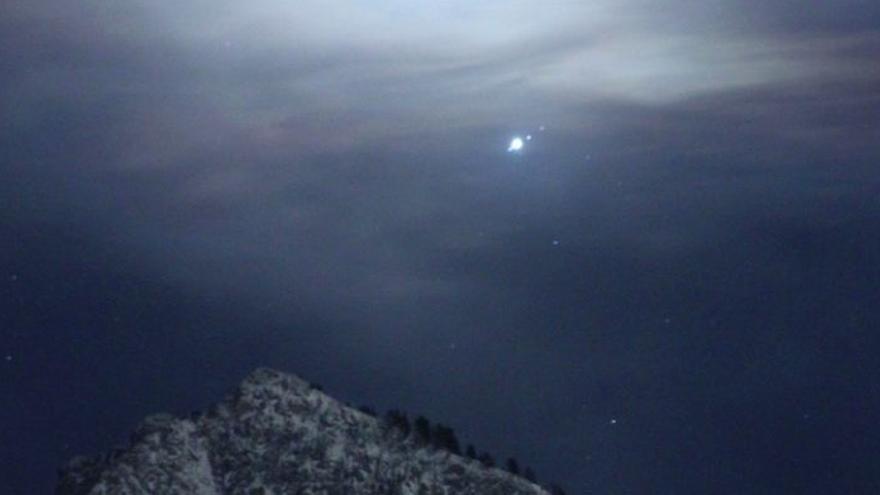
(442, 437)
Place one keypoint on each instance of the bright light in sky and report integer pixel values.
(515, 145)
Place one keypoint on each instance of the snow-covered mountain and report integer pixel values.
(277, 435)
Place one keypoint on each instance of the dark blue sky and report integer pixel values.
(674, 288)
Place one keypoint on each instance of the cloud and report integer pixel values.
(346, 148)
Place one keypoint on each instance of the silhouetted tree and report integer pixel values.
(471, 452)
(443, 437)
(556, 490)
(316, 386)
(369, 411)
(422, 430)
(451, 442)
(486, 459)
(530, 475)
(398, 420)
(512, 466)
(437, 436)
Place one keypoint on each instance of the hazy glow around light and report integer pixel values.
(515, 145)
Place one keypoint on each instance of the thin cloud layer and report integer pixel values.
(294, 103)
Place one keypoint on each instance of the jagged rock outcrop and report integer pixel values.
(277, 435)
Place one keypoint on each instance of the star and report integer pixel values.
(9, 357)
(613, 421)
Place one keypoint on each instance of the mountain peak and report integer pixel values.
(276, 434)
(267, 377)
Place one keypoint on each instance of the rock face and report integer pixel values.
(276, 435)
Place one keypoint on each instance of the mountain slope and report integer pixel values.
(277, 435)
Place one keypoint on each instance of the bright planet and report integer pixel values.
(516, 144)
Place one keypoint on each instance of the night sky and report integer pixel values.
(673, 287)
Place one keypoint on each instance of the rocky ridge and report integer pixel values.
(277, 435)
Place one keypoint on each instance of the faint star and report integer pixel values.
(555, 242)
(541, 128)
(9, 357)
(529, 137)
(13, 277)
(613, 421)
